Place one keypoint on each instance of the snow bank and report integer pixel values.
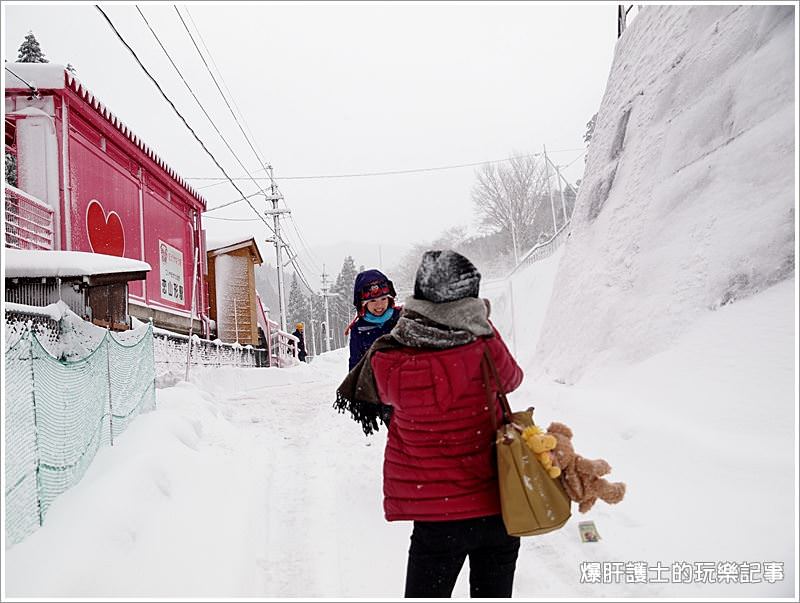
(687, 203)
(704, 435)
(519, 304)
(164, 512)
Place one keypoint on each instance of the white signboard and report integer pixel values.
(171, 263)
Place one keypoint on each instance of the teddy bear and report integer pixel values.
(580, 476)
(542, 444)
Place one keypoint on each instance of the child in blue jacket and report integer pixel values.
(373, 298)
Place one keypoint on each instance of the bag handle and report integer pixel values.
(502, 400)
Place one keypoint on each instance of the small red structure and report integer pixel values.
(106, 190)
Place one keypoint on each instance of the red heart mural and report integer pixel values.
(105, 233)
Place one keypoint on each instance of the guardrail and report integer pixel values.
(544, 249)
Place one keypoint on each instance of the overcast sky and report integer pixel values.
(332, 89)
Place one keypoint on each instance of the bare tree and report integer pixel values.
(507, 195)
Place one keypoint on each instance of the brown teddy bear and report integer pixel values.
(581, 477)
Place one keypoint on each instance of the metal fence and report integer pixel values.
(29, 221)
(544, 249)
(71, 388)
(171, 352)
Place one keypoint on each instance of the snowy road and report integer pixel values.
(246, 482)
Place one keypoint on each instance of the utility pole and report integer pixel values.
(561, 192)
(549, 189)
(311, 318)
(514, 239)
(325, 295)
(276, 220)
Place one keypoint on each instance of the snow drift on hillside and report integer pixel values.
(687, 203)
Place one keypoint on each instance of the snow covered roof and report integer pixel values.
(26, 263)
(52, 76)
(225, 245)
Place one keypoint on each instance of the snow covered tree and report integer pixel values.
(297, 307)
(507, 197)
(11, 170)
(587, 136)
(340, 308)
(30, 51)
(590, 125)
(346, 279)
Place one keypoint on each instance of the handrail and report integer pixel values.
(29, 221)
(542, 250)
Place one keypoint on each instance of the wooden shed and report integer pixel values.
(232, 290)
(94, 286)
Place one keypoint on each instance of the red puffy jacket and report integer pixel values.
(439, 462)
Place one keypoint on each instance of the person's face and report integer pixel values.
(377, 307)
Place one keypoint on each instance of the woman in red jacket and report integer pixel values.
(439, 465)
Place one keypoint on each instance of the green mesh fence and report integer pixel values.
(21, 493)
(60, 412)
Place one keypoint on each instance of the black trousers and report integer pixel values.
(439, 548)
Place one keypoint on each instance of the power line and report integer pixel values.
(574, 160)
(244, 197)
(178, 113)
(222, 78)
(191, 37)
(197, 100)
(383, 173)
(228, 203)
(247, 138)
(311, 256)
(233, 219)
(28, 84)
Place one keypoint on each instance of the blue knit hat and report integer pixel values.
(371, 284)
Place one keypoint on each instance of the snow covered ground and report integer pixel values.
(689, 193)
(663, 333)
(245, 482)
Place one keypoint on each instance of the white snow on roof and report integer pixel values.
(25, 263)
(38, 75)
(214, 242)
(217, 242)
(42, 76)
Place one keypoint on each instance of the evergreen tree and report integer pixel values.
(296, 306)
(340, 308)
(590, 125)
(11, 169)
(30, 51)
(346, 279)
(317, 313)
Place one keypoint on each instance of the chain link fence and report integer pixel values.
(71, 388)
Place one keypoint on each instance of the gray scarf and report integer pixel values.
(424, 324)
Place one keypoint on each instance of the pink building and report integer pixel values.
(85, 182)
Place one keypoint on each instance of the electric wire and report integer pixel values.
(197, 100)
(380, 173)
(178, 113)
(28, 84)
(280, 240)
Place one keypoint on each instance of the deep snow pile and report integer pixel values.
(687, 201)
(246, 482)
